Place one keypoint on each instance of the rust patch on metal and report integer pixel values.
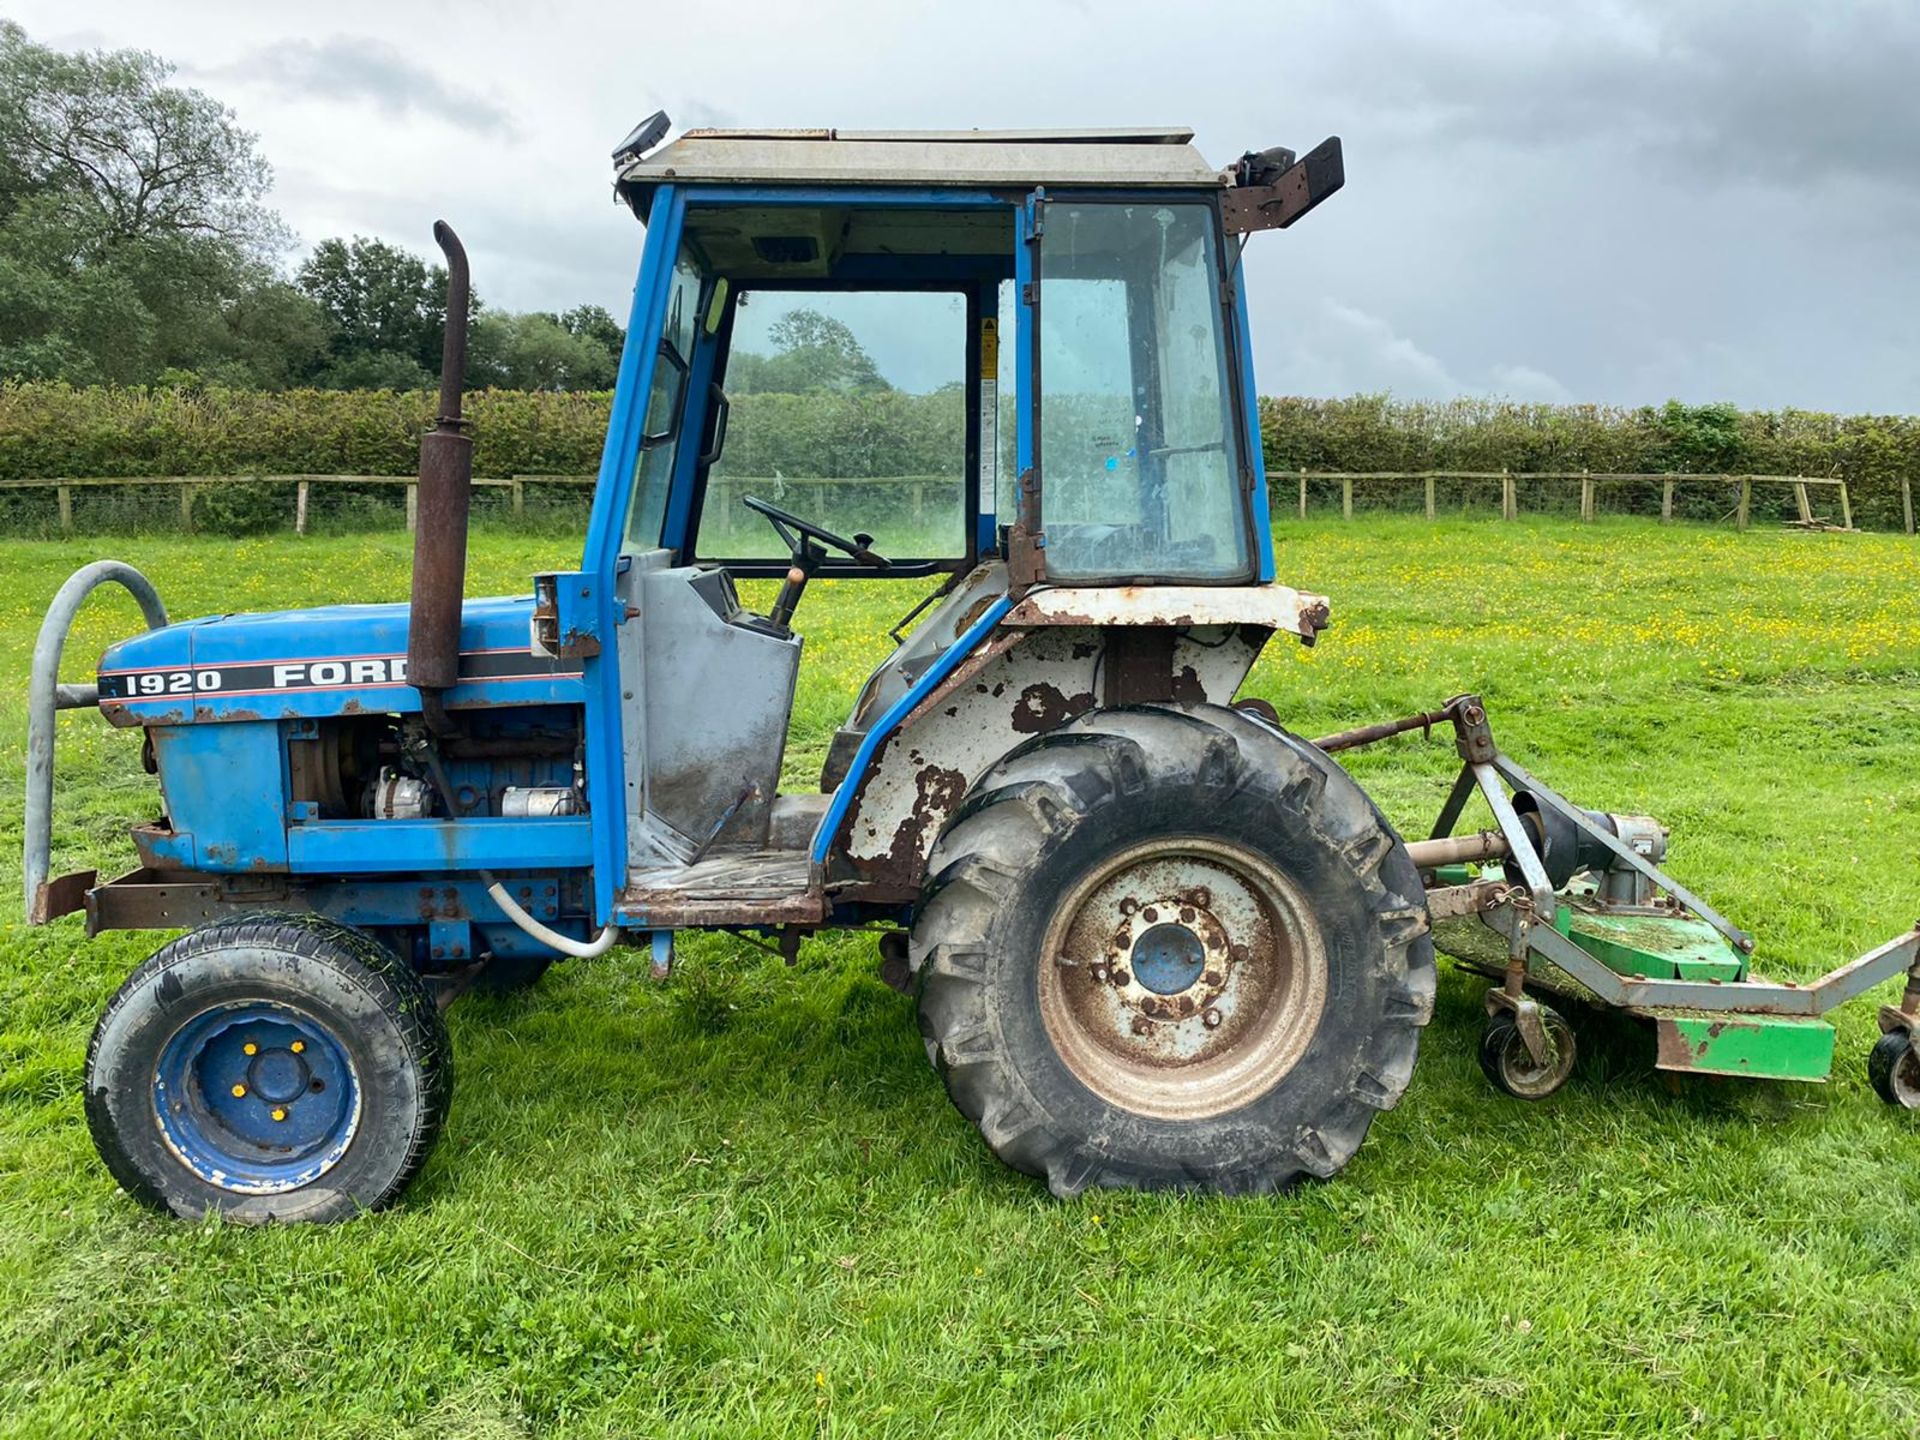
(938, 791)
(973, 612)
(1042, 707)
(963, 674)
(61, 896)
(1187, 689)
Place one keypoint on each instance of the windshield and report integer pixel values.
(1139, 453)
(661, 431)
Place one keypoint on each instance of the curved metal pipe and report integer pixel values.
(453, 346)
(46, 695)
(440, 523)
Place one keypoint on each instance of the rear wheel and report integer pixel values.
(269, 1068)
(1172, 947)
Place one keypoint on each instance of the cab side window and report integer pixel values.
(848, 408)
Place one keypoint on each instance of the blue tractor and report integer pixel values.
(1155, 939)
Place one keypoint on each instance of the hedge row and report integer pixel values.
(51, 430)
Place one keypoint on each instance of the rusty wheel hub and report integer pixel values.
(1185, 978)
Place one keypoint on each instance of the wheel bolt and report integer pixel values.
(1213, 1018)
(279, 1112)
(1100, 974)
(1121, 977)
(297, 1046)
(249, 1048)
(1212, 977)
(238, 1091)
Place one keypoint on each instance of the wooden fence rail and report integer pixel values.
(1591, 480)
(64, 486)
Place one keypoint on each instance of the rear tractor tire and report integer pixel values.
(1893, 1067)
(1172, 948)
(273, 1067)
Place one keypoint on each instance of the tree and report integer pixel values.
(592, 322)
(383, 306)
(539, 352)
(133, 237)
(127, 156)
(813, 352)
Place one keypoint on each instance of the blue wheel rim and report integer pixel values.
(256, 1097)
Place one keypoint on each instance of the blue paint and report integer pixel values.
(297, 1069)
(483, 842)
(1026, 339)
(262, 666)
(1262, 516)
(1168, 958)
(929, 681)
(225, 788)
(686, 460)
(870, 197)
(606, 537)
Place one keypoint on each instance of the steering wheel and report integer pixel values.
(786, 523)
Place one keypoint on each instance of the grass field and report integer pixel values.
(739, 1203)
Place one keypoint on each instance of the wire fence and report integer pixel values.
(334, 504)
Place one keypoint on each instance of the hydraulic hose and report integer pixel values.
(552, 939)
(579, 949)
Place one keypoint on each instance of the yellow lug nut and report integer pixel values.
(249, 1048)
(297, 1046)
(278, 1113)
(238, 1091)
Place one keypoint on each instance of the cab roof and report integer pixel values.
(977, 159)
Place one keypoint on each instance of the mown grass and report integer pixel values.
(739, 1204)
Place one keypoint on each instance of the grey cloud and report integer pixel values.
(358, 68)
(1775, 95)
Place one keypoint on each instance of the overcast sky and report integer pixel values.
(1616, 202)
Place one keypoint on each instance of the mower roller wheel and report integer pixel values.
(1893, 1065)
(1511, 1067)
(1172, 947)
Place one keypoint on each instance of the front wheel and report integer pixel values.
(279, 1067)
(1168, 947)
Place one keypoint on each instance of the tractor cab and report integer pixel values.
(1008, 368)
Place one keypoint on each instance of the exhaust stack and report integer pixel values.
(445, 497)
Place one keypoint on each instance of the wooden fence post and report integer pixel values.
(1805, 504)
(1746, 500)
(186, 506)
(65, 496)
(1509, 502)
(300, 508)
(1586, 496)
(1846, 507)
(413, 508)
(1346, 497)
(1430, 495)
(519, 499)
(1666, 502)
(1906, 503)
(1303, 492)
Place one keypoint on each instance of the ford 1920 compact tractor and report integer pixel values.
(1155, 938)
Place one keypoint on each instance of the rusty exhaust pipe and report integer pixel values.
(445, 497)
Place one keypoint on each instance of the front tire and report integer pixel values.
(1172, 948)
(278, 1067)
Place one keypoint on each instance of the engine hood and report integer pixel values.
(330, 660)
